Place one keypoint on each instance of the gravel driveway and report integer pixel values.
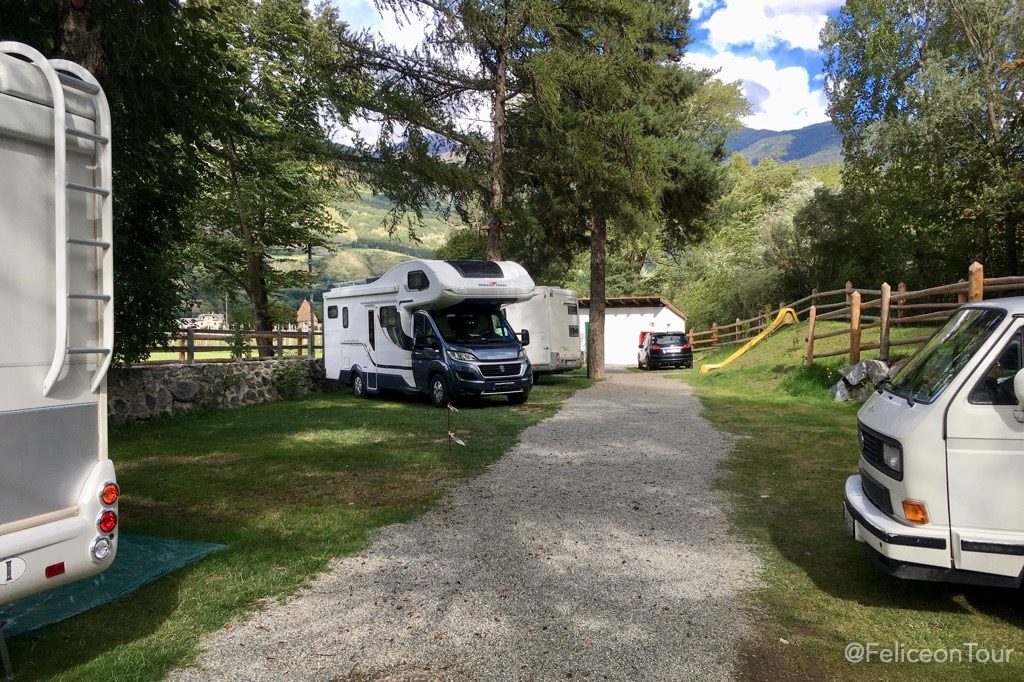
(596, 549)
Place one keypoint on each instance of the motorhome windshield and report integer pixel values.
(946, 353)
(473, 326)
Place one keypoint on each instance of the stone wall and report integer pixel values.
(142, 392)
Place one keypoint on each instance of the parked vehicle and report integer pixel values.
(431, 327)
(664, 349)
(58, 494)
(938, 496)
(552, 316)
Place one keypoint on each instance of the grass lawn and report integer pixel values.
(287, 486)
(821, 591)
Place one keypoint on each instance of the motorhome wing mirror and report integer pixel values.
(524, 337)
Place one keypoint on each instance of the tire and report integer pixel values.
(359, 385)
(440, 396)
(639, 365)
(518, 398)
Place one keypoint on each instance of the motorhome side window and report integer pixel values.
(391, 323)
(332, 312)
(417, 281)
(571, 309)
(996, 388)
(369, 325)
(344, 317)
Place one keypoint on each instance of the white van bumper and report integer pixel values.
(891, 539)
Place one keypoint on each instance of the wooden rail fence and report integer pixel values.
(190, 343)
(866, 309)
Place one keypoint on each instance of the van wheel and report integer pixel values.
(439, 394)
(518, 398)
(358, 385)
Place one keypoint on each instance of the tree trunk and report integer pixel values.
(75, 41)
(259, 300)
(497, 189)
(595, 336)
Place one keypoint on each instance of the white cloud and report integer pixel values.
(768, 23)
(780, 98)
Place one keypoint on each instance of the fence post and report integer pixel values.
(312, 342)
(814, 296)
(190, 346)
(714, 333)
(811, 317)
(901, 289)
(855, 328)
(883, 334)
(961, 297)
(280, 343)
(849, 289)
(181, 348)
(975, 282)
(738, 330)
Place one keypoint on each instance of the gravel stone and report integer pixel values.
(597, 548)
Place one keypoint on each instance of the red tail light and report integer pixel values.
(107, 522)
(111, 493)
(686, 346)
(655, 346)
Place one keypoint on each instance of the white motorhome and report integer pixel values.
(938, 496)
(58, 495)
(432, 327)
(552, 316)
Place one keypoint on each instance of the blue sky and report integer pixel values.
(769, 46)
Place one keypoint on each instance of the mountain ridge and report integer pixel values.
(813, 145)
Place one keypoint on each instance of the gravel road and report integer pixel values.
(596, 549)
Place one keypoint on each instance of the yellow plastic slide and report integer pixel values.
(785, 316)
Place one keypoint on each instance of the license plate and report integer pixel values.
(672, 349)
(848, 521)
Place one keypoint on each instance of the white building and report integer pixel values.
(625, 318)
(210, 321)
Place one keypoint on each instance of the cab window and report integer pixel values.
(996, 388)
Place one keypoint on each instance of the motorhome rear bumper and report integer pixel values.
(559, 363)
(892, 540)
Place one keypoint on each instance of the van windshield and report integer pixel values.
(473, 326)
(931, 370)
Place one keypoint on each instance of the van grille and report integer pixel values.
(871, 447)
(876, 492)
(505, 369)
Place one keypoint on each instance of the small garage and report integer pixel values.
(625, 318)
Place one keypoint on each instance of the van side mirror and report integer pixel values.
(524, 337)
(1018, 390)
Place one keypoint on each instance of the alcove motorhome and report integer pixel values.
(552, 316)
(58, 496)
(432, 327)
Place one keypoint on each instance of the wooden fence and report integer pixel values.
(867, 309)
(203, 345)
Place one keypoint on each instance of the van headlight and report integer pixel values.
(522, 354)
(892, 455)
(459, 355)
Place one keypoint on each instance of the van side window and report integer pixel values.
(344, 317)
(421, 327)
(996, 388)
(417, 281)
(571, 308)
(332, 312)
(391, 323)
(369, 325)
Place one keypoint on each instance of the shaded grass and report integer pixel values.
(287, 486)
(820, 590)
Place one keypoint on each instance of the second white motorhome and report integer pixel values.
(432, 327)
(58, 496)
(552, 316)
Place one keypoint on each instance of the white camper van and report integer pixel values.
(432, 327)
(552, 316)
(939, 493)
(58, 496)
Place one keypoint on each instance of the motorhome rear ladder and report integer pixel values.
(61, 74)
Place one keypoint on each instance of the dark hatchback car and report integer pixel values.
(665, 349)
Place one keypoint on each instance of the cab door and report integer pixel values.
(426, 350)
(985, 464)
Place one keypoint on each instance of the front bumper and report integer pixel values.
(469, 380)
(895, 542)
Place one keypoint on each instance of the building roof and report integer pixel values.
(637, 302)
(305, 313)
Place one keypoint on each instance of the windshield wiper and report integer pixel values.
(882, 384)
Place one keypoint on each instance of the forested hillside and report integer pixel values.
(814, 145)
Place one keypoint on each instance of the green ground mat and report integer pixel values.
(140, 559)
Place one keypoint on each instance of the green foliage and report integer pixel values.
(289, 378)
(238, 344)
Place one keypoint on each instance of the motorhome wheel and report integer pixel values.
(358, 385)
(439, 396)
